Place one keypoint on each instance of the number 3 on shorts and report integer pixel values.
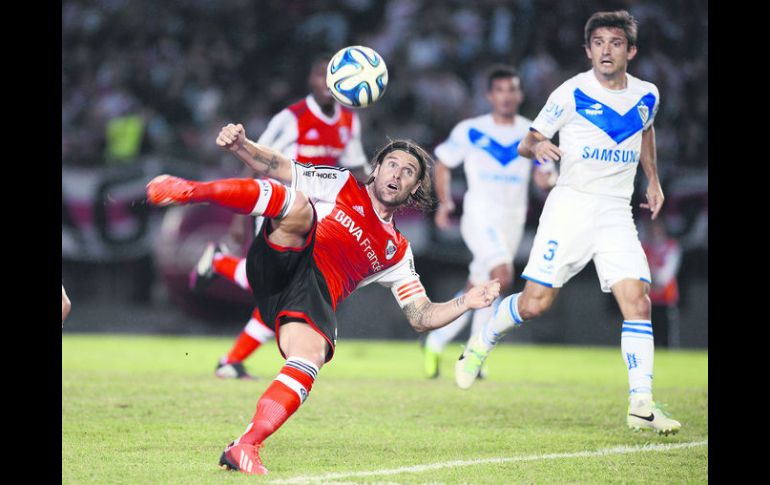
(552, 245)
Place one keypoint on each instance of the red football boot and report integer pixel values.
(243, 458)
(166, 190)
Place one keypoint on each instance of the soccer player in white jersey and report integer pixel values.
(325, 235)
(604, 117)
(495, 204)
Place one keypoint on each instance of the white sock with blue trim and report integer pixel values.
(505, 318)
(638, 348)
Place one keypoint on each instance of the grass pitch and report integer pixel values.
(149, 410)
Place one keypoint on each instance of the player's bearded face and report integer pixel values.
(397, 177)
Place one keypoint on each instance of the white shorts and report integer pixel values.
(492, 241)
(576, 227)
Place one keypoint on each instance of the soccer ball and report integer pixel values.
(357, 76)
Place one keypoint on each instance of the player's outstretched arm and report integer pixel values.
(265, 161)
(424, 315)
(537, 147)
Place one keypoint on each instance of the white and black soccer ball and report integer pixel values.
(357, 76)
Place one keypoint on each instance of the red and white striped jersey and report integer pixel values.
(304, 133)
(353, 245)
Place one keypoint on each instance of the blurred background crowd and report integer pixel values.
(146, 86)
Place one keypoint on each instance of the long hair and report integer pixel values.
(422, 199)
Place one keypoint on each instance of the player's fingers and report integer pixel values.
(656, 209)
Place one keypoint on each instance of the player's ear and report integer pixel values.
(416, 187)
(631, 52)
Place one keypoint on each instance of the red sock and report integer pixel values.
(246, 196)
(245, 344)
(225, 265)
(281, 399)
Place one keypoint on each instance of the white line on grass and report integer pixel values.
(618, 450)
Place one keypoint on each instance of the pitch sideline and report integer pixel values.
(618, 450)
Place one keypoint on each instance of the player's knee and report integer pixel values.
(297, 339)
(300, 217)
(532, 306)
(639, 306)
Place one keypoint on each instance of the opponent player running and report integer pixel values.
(495, 205)
(315, 130)
(325, 236)
(604, 117)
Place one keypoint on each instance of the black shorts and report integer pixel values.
(289, 286)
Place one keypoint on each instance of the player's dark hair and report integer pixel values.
(620, 19)
(500, 71)
(422, 198)
(322, 57)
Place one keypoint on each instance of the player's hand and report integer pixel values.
(232, 137)
(545, 151)
(442, 215)
(654, 199)
(481, 296)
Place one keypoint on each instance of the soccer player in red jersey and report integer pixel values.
(315, 130)
(324, 236)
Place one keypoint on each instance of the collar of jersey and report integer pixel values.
(318, 112)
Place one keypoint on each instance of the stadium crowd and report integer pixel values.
(141, 76)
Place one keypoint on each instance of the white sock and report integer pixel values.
(482, 315)
(505, 318)
(638, 349)
(437, 339)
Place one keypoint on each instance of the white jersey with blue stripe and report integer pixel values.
(600, 132)
(497, 177)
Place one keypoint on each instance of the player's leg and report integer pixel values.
(638, 350)
(559, 251)
(253, 335)
(290, 212)
(215, 262)
(436, 340)
(534, 300)
(305, 351)
(622, 268)
(504, 274)
(257, 197)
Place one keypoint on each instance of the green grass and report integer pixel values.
(149, 410)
